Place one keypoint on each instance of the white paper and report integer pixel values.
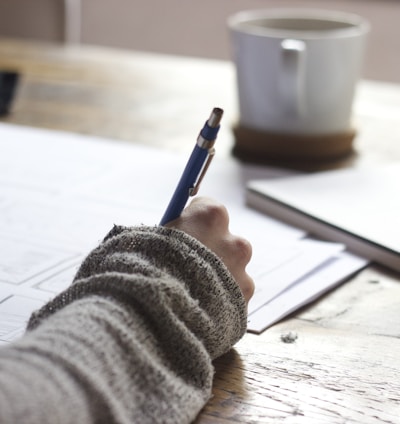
(297, 260)
(305, 290)
(60, 193)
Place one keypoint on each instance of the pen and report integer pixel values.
(196, 167)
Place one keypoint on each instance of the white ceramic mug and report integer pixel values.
(297, 69)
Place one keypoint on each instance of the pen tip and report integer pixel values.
(215, 117)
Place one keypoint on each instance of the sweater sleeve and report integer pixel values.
(131, 340)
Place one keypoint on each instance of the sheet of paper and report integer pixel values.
(305, 290)
(60, 193)
(296, 260)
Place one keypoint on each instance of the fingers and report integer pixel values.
(208, 221)
(236, 254)
(207, 218)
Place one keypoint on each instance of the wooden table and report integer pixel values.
(344, 365)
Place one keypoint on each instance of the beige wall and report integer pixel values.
(192, 27)
(40, 19)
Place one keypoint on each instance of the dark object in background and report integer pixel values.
(8, 84)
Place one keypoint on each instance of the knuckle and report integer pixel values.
(210, 211)
(217, 214)
(218, 210)
(242, 249)
(248, 288)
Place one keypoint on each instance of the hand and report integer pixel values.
(208, 222)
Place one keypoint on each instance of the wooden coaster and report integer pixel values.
(258, 146)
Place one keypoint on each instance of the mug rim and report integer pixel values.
(241, 22)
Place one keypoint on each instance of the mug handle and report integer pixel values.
(292, 78)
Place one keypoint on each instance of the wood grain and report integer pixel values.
(343, 366)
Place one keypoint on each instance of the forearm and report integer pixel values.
(134, 337)
(109, 367)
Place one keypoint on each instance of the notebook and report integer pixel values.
(357, 207)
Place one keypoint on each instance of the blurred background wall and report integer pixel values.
(185, 27)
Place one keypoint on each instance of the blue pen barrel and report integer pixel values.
(194, 172)
(186, 183)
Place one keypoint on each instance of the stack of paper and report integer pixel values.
(60, 193)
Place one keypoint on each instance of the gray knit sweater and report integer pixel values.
(131, 341)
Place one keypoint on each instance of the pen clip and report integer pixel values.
(194, 190)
